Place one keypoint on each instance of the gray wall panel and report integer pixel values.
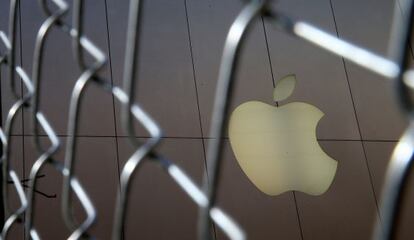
(348, 209)
(159, 209)
(165, 85)
(17, 163)
(378, 155)
(60, 71)
(209, 23)
(99, 182)
(321, 78)
(262, 216)
(367, 23)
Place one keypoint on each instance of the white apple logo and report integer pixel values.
(277, 147)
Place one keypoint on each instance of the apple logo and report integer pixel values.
(277, 148)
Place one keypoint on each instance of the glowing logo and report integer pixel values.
(277, 148)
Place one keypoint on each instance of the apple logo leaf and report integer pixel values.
(284, 88)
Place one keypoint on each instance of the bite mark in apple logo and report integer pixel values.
(277, 147)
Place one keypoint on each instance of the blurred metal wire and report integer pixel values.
(82, 46)
(131, 111)
(394, 69)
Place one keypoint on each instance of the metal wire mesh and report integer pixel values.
(131, 111)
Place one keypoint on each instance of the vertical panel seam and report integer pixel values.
(21, 87)
(298, 215)
(194, 79)
(196, 93)
(355, 113)
(108, 43)
(112, 82)
(193, 65)
(269, 59)
(268, 56)
(113, 98)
